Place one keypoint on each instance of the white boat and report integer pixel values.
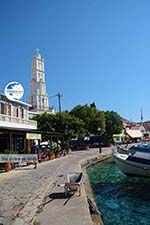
(136, 163)
(142, 147)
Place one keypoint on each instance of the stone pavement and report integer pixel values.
(32, 196)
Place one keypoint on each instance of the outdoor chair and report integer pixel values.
(72, 183)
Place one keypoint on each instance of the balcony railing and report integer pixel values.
(15, 120)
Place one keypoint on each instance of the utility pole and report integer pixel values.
(59, 100)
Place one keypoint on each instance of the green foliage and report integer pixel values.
(81, 120)
(92, 118)
(54, 147)
(70, 125)
(93, 105)
(114, 124)
(60, 122)
(45, 122)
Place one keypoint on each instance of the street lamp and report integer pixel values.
(99, 130)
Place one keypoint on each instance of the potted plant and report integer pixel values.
(51, 151)
(56, 151)
(65, 147)
(8, 165)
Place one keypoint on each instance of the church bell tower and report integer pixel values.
(38, 97)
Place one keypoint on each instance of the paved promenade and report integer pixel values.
(32, 196)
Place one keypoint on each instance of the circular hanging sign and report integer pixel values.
(14, 91)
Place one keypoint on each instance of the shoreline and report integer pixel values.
(96, 214)
(46, 179)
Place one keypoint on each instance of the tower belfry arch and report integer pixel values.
(38, 97)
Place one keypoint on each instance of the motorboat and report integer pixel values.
(141, 147)
(135, 162)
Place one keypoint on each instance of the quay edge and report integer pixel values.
(95, 214)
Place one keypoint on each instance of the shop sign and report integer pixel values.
(13, 158)
(14, 91)
(33, 136)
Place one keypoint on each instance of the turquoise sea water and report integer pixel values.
(121, 200)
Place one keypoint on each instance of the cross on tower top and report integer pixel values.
(37, 53)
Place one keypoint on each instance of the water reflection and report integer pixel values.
(121, 199)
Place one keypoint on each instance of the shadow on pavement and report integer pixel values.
(58, 195)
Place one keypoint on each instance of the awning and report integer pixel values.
(119, 135)
(134, 133)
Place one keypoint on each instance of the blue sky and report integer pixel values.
(94, 50)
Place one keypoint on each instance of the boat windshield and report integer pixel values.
(140, 148)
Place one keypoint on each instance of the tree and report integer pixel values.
(93, 105)
(81, 120)
(92, 117)
(45, 122)
(114, 125)
(68, 124)
(60, 122)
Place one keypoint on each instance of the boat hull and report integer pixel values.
(132, 168)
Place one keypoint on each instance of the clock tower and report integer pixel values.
(38, 97)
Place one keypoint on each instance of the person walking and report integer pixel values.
(100, 147)
(34, 150)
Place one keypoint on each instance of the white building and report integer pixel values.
(38, 98)
(14, 114)
(14, 124)
(17, 131)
